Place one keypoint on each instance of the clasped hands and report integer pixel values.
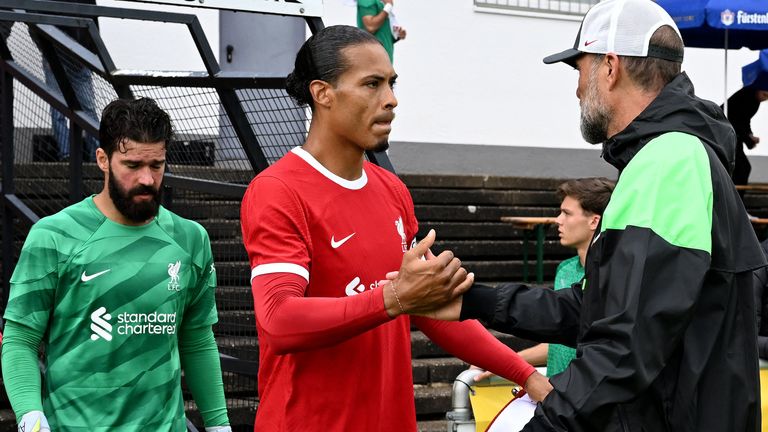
(433, 287)
(430, 287)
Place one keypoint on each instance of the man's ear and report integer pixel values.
(322, 93)
(594, 221)
(102, 160)
(612, 62)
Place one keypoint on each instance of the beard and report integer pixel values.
(595, 115)
(137, 212)
(381, 146)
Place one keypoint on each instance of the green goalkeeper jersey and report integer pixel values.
(111, 300)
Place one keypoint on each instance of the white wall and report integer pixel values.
(477, 78)
(465, 77)
(156, 46)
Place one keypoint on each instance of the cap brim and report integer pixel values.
(568, 56)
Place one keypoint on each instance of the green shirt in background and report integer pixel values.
(568, 273)
(384, 33)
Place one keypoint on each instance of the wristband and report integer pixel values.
(388, 8)
(34, 421)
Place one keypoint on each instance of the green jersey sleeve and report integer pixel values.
(34, 280)
(368, 7)
(201, 307)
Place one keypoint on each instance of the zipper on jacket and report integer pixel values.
(622, 419)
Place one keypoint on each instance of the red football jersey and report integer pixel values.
(331, 359)
(342, 237)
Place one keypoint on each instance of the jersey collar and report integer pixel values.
(314, 163)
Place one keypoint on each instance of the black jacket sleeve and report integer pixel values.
(539, 314)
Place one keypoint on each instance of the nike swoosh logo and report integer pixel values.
(86, 278)
(335, 244)
(590, 42)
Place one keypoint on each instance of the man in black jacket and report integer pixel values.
(742, 106)
(761, 307)
(664, 320)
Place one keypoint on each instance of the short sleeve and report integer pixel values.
(275, 229)
(34, 280)
(201, 308)
(368, 7)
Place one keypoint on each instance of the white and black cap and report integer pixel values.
(622, 27)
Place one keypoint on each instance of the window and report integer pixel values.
(566, 9)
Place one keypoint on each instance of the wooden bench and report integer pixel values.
(527, 224)
(753, 187)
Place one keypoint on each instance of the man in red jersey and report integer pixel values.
(322, 226)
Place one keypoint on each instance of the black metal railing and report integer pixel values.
(56, 75)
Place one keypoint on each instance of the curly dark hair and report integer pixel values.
(140, 120)
(320, 58)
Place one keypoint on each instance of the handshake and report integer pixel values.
(426, 284)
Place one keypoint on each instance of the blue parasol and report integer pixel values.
(756, 73)
(727, 24)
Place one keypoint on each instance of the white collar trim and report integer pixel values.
(348, 184)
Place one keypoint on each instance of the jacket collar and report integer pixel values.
(675, 109)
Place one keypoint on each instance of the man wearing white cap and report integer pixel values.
(664, 321)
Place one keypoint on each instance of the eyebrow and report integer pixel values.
(379, 77)
(139, 162)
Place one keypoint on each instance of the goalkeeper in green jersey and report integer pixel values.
(121, 293)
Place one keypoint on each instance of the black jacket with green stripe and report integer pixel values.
(664, 321)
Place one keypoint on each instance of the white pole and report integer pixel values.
(725, 84)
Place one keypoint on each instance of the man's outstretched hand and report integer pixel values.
(422, 286)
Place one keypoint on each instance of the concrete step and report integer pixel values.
(233, 250)
(236, 323)
(241, 412)
(437, 370)
(422, 347)
(242, 347)
(433, 398)
(484, 197)
(233, 297)
(477, 181)
(222, 229)
(506, 250)
(236, 336)
(238, 273)
(52, 187)
(470, 230)
(477, 213)
(433, 426)
(233, 273)
(510, 270)
(228, 250)
(199, 209)
(60, 170)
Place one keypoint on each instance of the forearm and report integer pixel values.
(202, 371)
(21, 372)
(292, 322)
(533, 313)
(484, 351)
(373, 23)
(536, 355)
